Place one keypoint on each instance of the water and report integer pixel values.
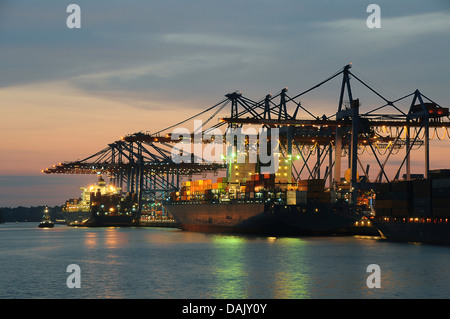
(168, 263)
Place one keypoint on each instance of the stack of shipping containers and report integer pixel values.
(419, 198)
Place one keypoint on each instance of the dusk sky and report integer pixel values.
(144, 65)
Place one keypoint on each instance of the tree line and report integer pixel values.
(28, 214)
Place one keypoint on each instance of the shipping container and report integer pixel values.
(441, 183)
(441, 203)
(291, 197)
(383, 203)
(301, 197)
(400, 212)
(422, 211)
(441, 211)
(443, 192)
(422, 202)
(422, 188)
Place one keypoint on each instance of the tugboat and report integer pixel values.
(46, 221)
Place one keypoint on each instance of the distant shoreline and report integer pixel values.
(27, 214)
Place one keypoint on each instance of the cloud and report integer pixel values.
(167, 69)
(394, 31)
(214, 40)
(205, 57)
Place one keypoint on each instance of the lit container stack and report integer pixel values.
(284, 173)
(200, 190)
(241, 172)
(220, 186)
(258, 183)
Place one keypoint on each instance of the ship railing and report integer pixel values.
(221, 201)
(410, 219)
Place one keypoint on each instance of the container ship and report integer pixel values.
(266, 204)
(415, 211)
(101, 205)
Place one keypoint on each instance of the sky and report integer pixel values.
(142, 65)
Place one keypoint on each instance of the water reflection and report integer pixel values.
(244, 267)
(114, 238)
(90, 240)
(102, 262)
(110, 238)
(229, 269)
(164, 263)
(292, 279)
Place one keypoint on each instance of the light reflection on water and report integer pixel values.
(168, 263)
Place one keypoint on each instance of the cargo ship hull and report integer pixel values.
(432, 232)
(110, 221)
(416, 210)
(89, 219)
(262, 219)
(76, 218)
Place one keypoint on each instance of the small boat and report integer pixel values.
(46, 224)
(46, 221)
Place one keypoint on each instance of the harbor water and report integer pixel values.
(168, 263)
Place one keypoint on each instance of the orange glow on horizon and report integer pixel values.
(51, 122)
